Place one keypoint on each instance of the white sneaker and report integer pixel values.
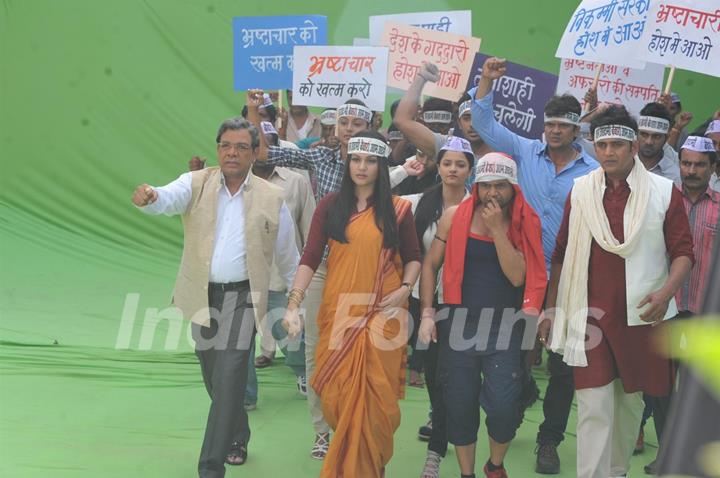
(321, 446)
(432, 465)
(302, 385)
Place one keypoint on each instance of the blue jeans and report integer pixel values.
(294, 354)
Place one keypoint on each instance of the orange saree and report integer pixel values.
(361, 351)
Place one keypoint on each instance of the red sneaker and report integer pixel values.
(501, 473)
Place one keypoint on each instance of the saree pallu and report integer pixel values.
(361, 353)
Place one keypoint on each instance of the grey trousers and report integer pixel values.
(313, 299)
(223, 349)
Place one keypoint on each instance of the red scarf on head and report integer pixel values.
(525, 234)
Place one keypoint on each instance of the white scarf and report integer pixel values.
(589, 221)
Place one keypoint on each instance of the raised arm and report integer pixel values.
(497, 136)
(253, 100)
(417, 133)
(170, 200)
(274, 155)
(411, 167)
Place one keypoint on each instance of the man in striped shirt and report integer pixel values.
(702, 204)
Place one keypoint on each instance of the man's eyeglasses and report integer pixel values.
(240, 147)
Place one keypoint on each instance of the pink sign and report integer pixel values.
(410, 47)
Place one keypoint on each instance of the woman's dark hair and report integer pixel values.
(430, 206)
(385, 219)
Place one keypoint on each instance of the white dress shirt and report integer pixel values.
(229, 255)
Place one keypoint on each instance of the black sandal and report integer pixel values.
(237, 454)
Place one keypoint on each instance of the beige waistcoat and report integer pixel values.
(262, 202)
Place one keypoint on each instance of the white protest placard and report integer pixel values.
(605, 31)
(456, 21)
(409, 47)
(684, 34)
(630, 87)
(328, 76)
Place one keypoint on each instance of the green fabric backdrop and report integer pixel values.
(97, 96)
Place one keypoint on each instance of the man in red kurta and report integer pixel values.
(623, 250)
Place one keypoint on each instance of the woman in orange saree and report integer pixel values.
(373, 263)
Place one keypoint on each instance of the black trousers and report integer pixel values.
(416, 359)
(223, 350)
(660, 406)
(438, 438)
(558, 400)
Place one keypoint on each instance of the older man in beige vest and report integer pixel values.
(235, 225)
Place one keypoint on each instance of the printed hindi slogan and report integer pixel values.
(409, 47)
(684, 34)
(330, 75)
(616, 84)
(263, 48)
(519, 96)
(605, 31)
(458, 22)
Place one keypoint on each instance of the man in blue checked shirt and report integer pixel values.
(546, 173)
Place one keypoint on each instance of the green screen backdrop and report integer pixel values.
(97, 96)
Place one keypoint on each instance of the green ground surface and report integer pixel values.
(85, 408)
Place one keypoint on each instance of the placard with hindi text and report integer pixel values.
(409, 47)
(263, 48)
(605, 31)
(519, 96)
(684, 34)
(328, 76)
(630, 87)
(458, 22)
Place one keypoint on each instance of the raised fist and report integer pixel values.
(413, 167)
(144, 195)
(665, 100)
(683, 119)
(254, 98)
(429, 72)
(196, 163)
(591, 99)
(494, 68)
